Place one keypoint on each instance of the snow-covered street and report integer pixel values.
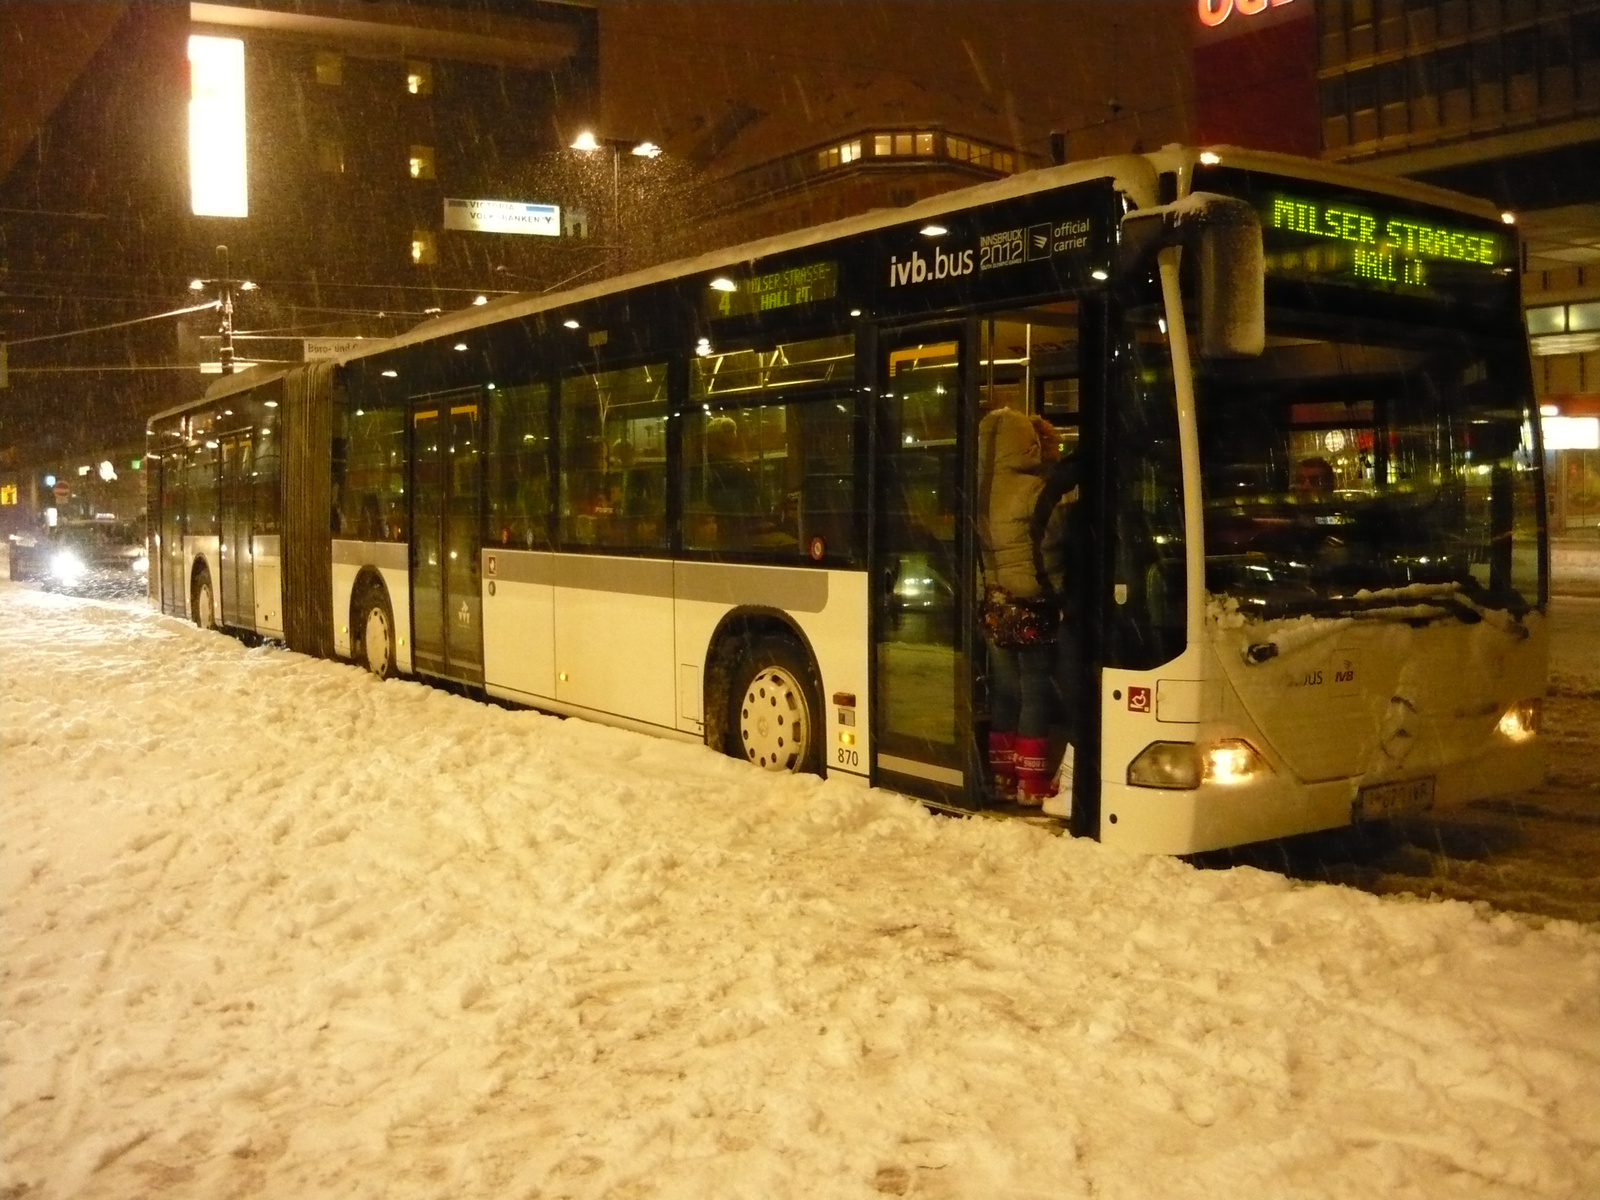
(272, 928)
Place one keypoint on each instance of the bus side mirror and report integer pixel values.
(1221, 238)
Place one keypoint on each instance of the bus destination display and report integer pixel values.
(1343, 242)
(776, 289)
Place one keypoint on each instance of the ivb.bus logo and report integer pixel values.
(918, 269)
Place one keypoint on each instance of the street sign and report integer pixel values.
(63, 489)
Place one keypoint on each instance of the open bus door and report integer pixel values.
(922, 624)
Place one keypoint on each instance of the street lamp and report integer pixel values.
(225, 285)
(586, 142)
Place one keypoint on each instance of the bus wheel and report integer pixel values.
(202, 602)
(374, 627)
(775, 717)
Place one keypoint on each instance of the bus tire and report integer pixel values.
(373, 627)
(202, 600)
(775, 708)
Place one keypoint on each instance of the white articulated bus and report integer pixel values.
(731, 499)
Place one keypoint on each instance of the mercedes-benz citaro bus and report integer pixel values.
(731, 499)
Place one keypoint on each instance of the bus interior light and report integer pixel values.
(1510, 218)
(933, 230)
(723, 284)
(570, 323)
(1522, 720)
(1171, 765)
(1210, 158)
(1100, 274)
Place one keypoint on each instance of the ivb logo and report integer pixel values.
(918, 269)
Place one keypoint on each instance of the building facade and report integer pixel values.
(359, 123)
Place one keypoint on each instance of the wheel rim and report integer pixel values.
(376, 641)
(773, 722)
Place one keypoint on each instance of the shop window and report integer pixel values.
(419, 78)
(421, 162)
(330, 68)
(424, 248)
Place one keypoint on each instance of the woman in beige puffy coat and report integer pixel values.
(1015, 452)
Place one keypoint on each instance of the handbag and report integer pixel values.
(1011, 624)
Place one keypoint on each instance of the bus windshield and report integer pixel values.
(1363, 464)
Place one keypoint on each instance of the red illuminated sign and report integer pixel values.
(1215, 12)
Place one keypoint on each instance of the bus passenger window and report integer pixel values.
(613, 454)
(771, 478)
(517, 466)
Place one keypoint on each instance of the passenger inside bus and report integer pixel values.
(1021, 559)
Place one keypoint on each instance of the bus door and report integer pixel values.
(922, 597)
(238, 562)
(446, 492)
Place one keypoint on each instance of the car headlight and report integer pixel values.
(1521, 721)
(66, 566)
(1184, 765)
(141, 565)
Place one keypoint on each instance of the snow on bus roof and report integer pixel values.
(1134, 175)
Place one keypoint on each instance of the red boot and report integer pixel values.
(1003, 766)
(1033, 771)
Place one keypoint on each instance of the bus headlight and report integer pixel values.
(1185, 765)
(1521, 720)
(66, 566)
(1166, 765)
(1232, 760)
(141, 565)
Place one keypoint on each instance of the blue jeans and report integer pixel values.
(1020, 686)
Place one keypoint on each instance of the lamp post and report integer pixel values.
(224, 284)
(586, 143)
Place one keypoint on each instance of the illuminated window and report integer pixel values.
(217, 177)
(902, 143)
(836, 156)
(330, 67)
(956, 148)
(924, 143)
(421, 162)
(330, 156)
(882, 144)
(419, 78)
(424, 248)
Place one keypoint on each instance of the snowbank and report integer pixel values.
(272, 928)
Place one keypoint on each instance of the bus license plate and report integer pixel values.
(1394, 799)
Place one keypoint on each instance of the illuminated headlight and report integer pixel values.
(1232, 761)
(1521, 720)
(141, 565)
(1184, 765)
(66, 566)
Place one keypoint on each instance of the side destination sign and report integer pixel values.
(776, 289)
(1356, 244)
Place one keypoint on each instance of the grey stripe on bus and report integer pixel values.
(387, 556)
(920, 770)
(715, 583)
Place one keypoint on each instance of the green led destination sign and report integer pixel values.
(1342, 242)
(806, 284)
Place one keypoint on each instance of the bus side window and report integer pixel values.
(613, 440)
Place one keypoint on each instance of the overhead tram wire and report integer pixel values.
(177, 312)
